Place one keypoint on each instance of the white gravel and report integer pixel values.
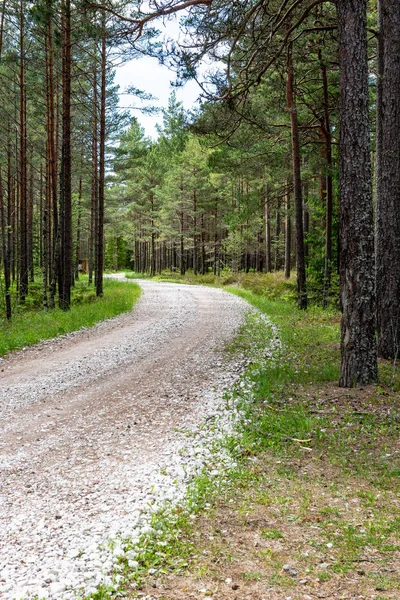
(94, 435)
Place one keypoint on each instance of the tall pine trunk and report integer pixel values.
(297, 186)
(64, 292)
(23, 201)
(100, 225)
(388, 181)
(357, 268)
(95, 176)
(5, 254)
(327, 131)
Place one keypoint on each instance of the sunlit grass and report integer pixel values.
(32, 326)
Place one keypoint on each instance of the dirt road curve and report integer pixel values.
(87, 420)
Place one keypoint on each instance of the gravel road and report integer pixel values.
(92, 425)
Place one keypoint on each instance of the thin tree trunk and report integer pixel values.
(357, 269)
(52, 226)
(95, 180)
(5, 256)
(78, 230)
(64, 292)
(329, 184)
(23, 252)
(30, 235)
(182, 248)
(298, 195)
(153, 242)
(100, 228)
(268, 258)
(277, 258)
(44, 255)
(288, 234)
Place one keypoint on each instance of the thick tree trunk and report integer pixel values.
(297, 187)
(388, 181)
(357, 269)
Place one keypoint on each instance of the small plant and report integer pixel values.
(271, 534)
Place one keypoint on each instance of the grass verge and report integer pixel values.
(268, 285)
(32, 326)
(312, 508)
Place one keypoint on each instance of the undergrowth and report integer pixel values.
(269, 285)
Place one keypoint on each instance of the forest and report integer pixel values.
(290, 162)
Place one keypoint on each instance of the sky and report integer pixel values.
(148, 75)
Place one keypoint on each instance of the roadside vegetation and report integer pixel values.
(32, 324)
(267, 285)
(312, 508)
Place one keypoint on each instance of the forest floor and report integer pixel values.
(312, 508)
(301, 523)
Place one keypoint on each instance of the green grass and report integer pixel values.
(267, 285)
(31, 325)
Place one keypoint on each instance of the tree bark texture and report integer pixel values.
(100, 227)
(297, 187)
(388, 181)
(357, 269)
(23, 247)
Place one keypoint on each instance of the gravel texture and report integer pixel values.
(94, 434)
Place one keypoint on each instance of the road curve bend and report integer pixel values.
(86, 420)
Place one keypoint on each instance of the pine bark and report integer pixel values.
(388, 181)
(297, 186)
(102, 143)
(23, 232)
(64, 292)
(357, 272)
(53, 232)
(95, 176)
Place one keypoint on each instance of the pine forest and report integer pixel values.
(289, 163)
